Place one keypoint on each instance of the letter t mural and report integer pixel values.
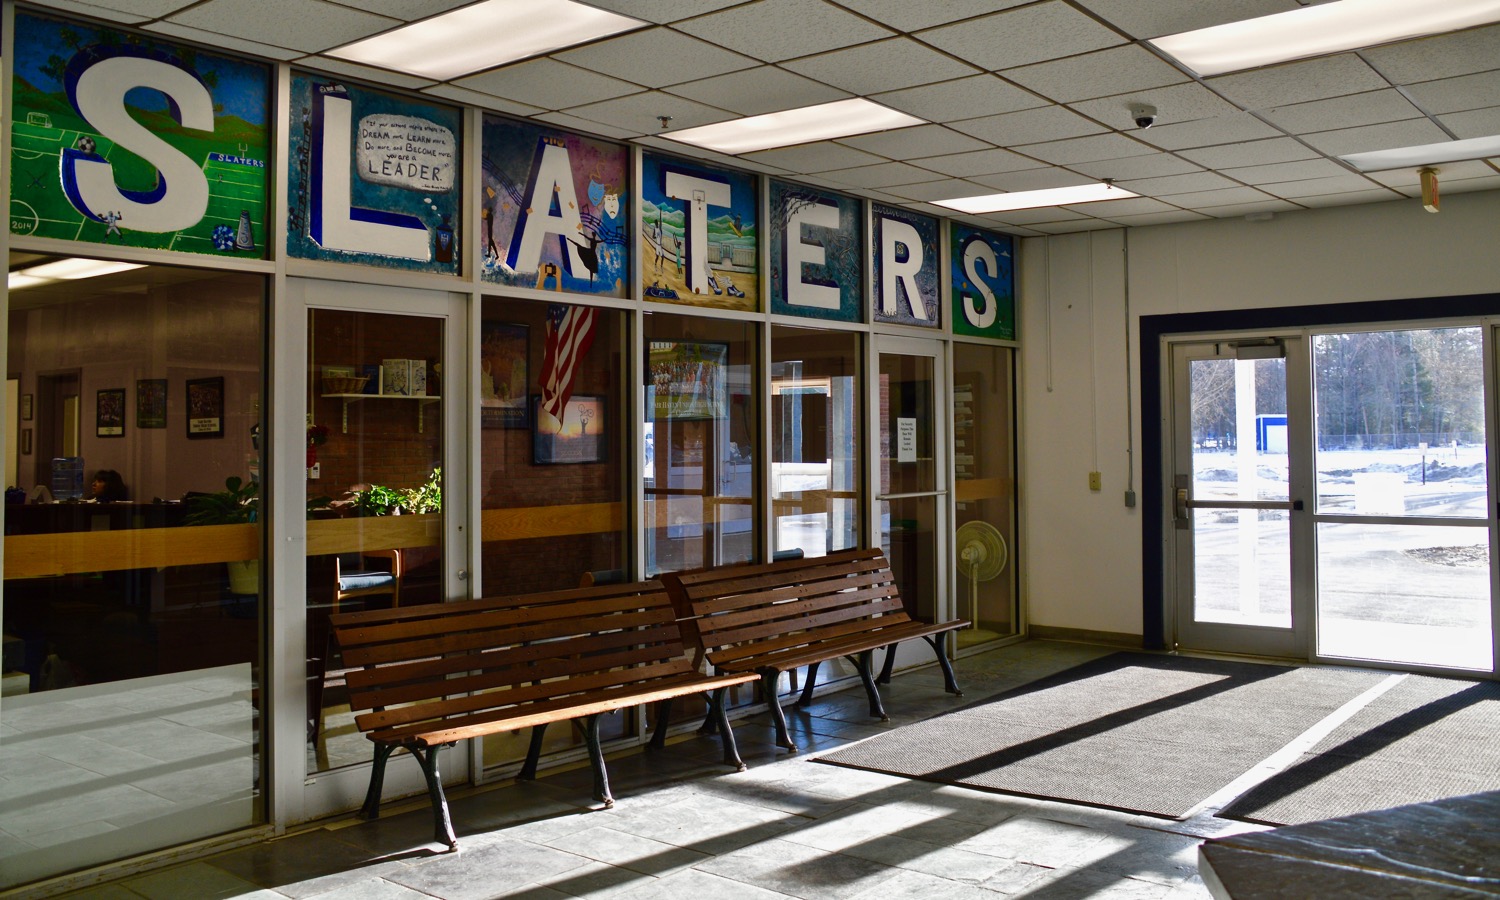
(699, 193)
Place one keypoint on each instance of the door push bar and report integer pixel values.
(1184, 502)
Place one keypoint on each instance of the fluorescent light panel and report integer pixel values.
(70, 269)
(1320, 30)
(485, 35)
(1064, 196)
(1425, 154)
(825, 121)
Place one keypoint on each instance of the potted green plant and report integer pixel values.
(238, 503)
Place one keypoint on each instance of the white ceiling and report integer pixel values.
(1021, 95)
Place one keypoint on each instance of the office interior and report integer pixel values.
(302, 429)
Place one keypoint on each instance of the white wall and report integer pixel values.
(1081, 550)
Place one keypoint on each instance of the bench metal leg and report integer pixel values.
(720, 707)
(807, 689)
(890, 664)
(865, 663)
(442, 825)
(663, 718)
(533, 754)
(950, 684)
(371, 809)
(768, 679)
(596, 757)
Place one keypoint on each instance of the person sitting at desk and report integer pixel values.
(108, 487)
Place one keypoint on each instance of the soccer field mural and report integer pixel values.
(121, 139)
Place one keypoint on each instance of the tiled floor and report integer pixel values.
(684, 826)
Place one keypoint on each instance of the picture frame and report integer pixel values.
(25, 441)
(504, 375)
(205, 407)
(686, 380)
(109, 413)
(584, 437)
(27, 404)
(151, 403)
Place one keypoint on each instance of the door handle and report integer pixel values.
(1180, 510)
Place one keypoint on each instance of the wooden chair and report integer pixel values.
(360, 581)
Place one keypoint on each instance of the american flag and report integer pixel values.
(570, 331)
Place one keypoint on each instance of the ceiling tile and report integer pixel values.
(881, 66)
(774, 30)
(919, 140)
(980, 162)
(547, 83)
(1177, 184)
(1046, 214)
(640, 113)
(754, 91)
(1251, 153)
(947, 189)
(1104, 73)
(483, 101)
(1162, 218)
(823, 156)
(1159, 17)
(1175, 104)
(1474, 123)
(1113, 209)
(909, 16)
(1314, 187)
(1441, 56)
(109, 13)
(1032, 179)
(1457, 94)
(1087, 149)
(1371, 108)
(1276, 173)
(1237, 196)
(1020, 36)
(1029, 126)
(229, 43)
(663, 11)
(365, 73)
(963, 98)
(406, 10)
(1299, 82)
(883, 175)
(1207, 132)
(1152, 166)
(637, 57)
(1236, 210)
(573, 123)
(1412, 133)
(307, 25)
(1348, 198)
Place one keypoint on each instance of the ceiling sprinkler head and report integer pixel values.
(664, 120)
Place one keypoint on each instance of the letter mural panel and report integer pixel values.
(817, 255)
(136, 142)
(984, 284)
(374, 178)
(906, 267)
(698, 235)
(554, 210)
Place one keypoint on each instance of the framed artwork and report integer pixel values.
(699, 243)
(25, 441)
(582, 438)
(982, 282)
(26, 407)
(109, 413)
(686, 380)
(205, 407)
(151, 403)
(504, 375)
(817, 253)
(906, 267)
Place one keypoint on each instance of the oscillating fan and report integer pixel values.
(981, 556)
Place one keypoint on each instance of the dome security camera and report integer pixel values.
(1144, 114)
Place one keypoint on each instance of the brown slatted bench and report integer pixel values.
(783, 615)
(434, 675)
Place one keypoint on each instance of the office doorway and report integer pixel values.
(1330, 496)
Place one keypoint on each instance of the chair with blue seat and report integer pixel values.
(355, 577)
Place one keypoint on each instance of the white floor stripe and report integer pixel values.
(1281, 759)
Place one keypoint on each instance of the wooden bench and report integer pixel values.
(434, 675)
(783, 615)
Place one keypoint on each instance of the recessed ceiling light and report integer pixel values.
(1424, 154)
(1320, 30)
(825, 121)
(485, 35)
(1063, 196)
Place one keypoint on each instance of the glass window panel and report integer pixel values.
(1416, 594)
(1242, 567)
(815, 439)
(124, 614)
(374, 489)
(1400, 423)
(700, 436)
(984, 488)
(1238, 414)
(907, 456)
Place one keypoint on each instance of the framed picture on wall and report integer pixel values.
(151, 403)
(109, 413)
(582, 437)
(205, 407)
(504, 375)
(685, 380)
(26, 407)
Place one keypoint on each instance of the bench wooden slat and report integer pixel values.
(472, 640)
(725, 603)
(785, 640)
(858, 642)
